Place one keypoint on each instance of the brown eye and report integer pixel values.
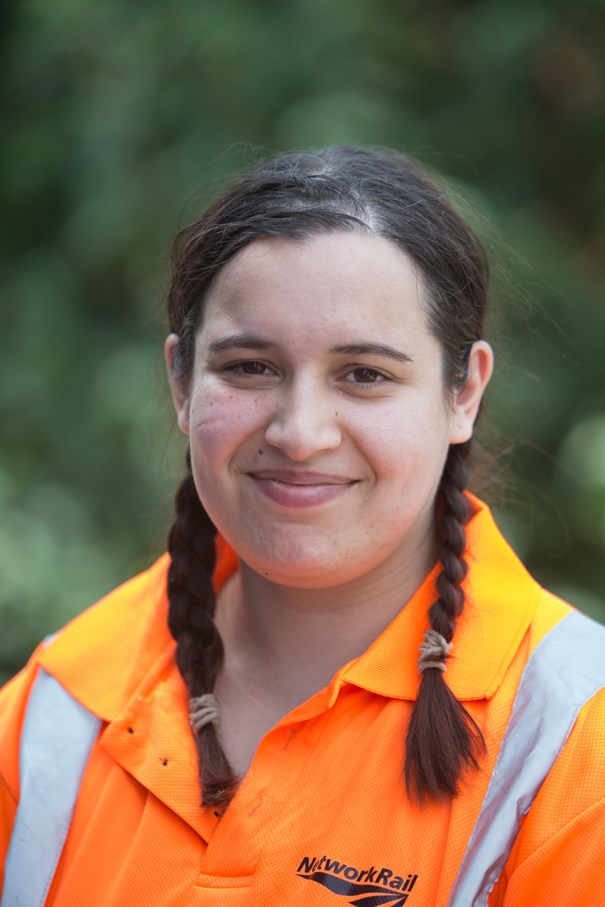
(253, 367)
(366, 375)
(248, 368)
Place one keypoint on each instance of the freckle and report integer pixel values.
(336, 413)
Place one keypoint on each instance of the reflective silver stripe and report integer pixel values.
(565, 670)
(57, 737)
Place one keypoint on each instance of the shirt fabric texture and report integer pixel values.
(323, 801)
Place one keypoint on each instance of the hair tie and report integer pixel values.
(203, 710)
(433, 651)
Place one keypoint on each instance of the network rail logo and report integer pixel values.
(362, 887)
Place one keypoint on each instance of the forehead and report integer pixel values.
(348, 283)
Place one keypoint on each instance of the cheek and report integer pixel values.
(401, 441)
(220, 422)
(407, 452)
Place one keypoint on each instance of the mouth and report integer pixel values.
(296, 488)
(299, 477)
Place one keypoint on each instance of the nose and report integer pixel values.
(303, 423)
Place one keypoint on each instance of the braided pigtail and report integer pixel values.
(199, 651)
(443, 739)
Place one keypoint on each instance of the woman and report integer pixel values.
(383, 707)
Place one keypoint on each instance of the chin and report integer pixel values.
(310, 578)
(307, 569)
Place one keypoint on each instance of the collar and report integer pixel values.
(112, 651)
(501, 600)
(104, 655)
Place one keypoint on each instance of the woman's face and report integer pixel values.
(318, 421)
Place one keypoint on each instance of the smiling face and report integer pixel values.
(318, 420)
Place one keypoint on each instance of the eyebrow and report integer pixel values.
(250, 341)
(377, 349)
(239, 341)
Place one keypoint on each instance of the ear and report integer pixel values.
(180, 395)
(468, 398)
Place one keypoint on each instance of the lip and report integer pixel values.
(294, 488)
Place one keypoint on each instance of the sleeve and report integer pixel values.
(13, 702)
(559, 856)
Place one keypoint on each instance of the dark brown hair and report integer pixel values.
(295, 196)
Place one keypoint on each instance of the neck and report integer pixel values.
(289, 642)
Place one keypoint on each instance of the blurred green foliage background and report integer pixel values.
(118, 116)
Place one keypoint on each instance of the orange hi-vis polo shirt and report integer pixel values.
(321, 819)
